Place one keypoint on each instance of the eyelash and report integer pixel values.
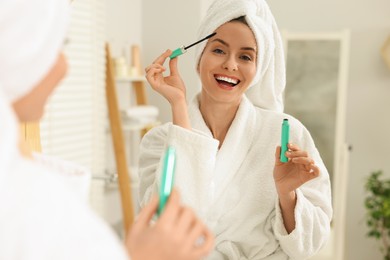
(246, 58)
(243, 57)
(218, 51)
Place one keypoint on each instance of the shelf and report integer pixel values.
(131, 79)
(135, 126)
(138, 126)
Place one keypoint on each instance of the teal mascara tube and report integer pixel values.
(168, 172)
(285, 140)
(183, 49)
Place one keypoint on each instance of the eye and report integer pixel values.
(246, 57)
(218, 51)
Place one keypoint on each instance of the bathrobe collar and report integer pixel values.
(237, 143)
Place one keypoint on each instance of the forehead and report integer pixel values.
(236, 33)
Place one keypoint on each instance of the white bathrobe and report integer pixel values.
(41, 219)
(232, 189)
(43, 216)
(43, 212)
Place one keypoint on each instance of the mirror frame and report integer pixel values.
(334, 250)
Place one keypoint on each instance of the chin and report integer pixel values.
(33, 115)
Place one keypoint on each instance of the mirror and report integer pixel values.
(317, 69)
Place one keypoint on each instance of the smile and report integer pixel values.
(227, 81)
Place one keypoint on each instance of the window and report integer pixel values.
(74, 124)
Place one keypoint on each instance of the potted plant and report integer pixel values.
(377, 204)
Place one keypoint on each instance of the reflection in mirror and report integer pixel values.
(311, 93)
(316, 67)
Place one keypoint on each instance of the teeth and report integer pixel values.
(233, 81)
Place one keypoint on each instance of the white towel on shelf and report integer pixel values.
(142, 114)
(267, 87)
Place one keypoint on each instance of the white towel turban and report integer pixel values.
(267, 87)
(32, 33)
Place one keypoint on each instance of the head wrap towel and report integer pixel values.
(32, 34)
(267, 87)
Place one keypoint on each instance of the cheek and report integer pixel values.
(203, 67)
(63, 66)
(251, 71)
(208, 63)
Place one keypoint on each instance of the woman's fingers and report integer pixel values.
(154, 75)
(277, 153)
(173, 67)
(301, 157)
(161, 59)
(156, 69)
(296, 153)
(315, 170)
(186, 220)
(293, 147)
(206, 242)
(303, 160)
(151, 69)
(308, 165)
(146, 214)
(172, 209)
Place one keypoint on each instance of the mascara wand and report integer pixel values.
(183, 49)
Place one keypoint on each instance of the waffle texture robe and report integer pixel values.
(232, 188)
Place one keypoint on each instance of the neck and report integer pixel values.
(218, 117)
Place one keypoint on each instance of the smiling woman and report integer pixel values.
(227, 142)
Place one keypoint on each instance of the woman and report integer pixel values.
(40, 216)
(227, 142)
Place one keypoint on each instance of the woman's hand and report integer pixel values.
(288, 177)
(299, 169)
(177, 234)
(171, 87)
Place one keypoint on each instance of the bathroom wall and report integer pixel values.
(367, 99)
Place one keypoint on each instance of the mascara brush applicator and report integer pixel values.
(183, 49)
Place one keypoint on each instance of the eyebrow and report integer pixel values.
(227, 45)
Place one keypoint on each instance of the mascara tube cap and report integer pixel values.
(178, 52)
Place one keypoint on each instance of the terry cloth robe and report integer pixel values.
(41, 216)
(232, 189)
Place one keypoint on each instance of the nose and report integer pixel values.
(230, 64)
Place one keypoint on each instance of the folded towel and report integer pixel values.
(142, 114)
(267, 87)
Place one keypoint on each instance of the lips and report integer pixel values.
(227, 81)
